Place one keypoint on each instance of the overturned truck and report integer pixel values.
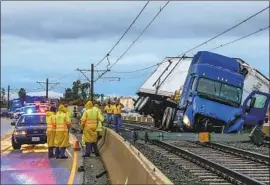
(207, 92)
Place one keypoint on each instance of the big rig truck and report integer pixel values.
(218, 94)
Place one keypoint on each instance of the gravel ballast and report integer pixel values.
(172, 170)
(249, 147)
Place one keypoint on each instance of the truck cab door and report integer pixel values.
(255, 108)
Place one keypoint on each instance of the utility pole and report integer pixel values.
(8, 97)
(47, 86)
(92, 82)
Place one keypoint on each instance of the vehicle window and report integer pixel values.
(230, 93)
(32, 120)
(220, 91)
(260, 101)
(209, 87)
(17, 110)
(193, 84)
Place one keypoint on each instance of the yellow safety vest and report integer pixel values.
(50, 120)
(91, 118)
(62, 122)
(117, 109)
(109, 109)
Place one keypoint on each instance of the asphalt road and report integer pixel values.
(30, 165)
(5, 126)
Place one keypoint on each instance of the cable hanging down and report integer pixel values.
(227, 30)
(135, 40)
(108, 54)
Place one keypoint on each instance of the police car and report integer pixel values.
(29, 129)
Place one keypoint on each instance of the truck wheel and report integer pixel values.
(169, 119)
(15, 145)
(143, 103)
(164, 118)
(138, 102)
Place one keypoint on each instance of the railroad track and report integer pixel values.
(220, 164)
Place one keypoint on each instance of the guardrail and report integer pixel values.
(125, 164)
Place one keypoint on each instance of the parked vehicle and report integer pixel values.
(212, 91)
(29, 129)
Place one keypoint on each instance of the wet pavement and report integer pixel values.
(5, 126)
(31, 165)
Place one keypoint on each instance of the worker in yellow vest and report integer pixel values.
(109, 112)
(63, 123)
(50, 131)
(89, 123)
(117, 115)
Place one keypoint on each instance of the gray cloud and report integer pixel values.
(100, 20)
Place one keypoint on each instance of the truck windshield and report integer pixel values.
(33, 120)
(221, 92)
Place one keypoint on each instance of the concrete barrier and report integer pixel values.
(125, 164)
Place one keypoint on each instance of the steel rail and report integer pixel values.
(227, 173)
(239, 152)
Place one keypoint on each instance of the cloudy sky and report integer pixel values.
(52, 39)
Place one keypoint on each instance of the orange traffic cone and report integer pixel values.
(77, 146)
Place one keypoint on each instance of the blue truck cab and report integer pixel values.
(212, 95)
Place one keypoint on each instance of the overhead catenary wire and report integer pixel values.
(123, 34)
(205, 42)
(161, 9)
(231, 42)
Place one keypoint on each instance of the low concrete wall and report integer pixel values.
(125, 164)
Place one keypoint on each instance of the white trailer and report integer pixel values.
(170, 76)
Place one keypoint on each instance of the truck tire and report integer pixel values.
(169, 119)
(138, 102)
(164, 118)
(144, 102)
(15, 145)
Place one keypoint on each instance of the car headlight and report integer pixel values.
(22, 132)
(186, 120)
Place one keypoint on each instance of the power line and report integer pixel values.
(135, 39)
(123, 34)
(253, 33)
(205, 42)
(138, 70)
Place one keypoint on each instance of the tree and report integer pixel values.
(76, 90)
(68, 94)
(84, 89)
(22, 95)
